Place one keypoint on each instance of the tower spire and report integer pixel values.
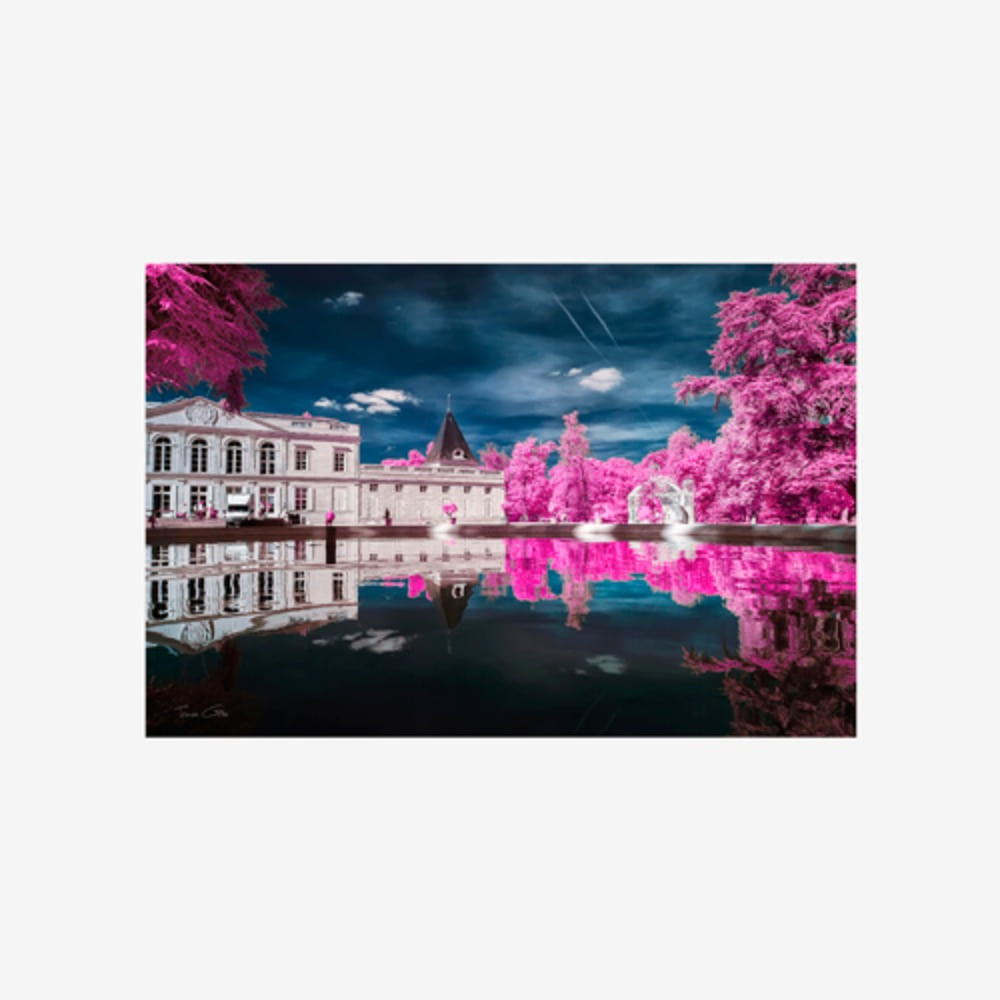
(450, 446)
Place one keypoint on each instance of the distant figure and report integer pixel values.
(329, 517)
(388, 516)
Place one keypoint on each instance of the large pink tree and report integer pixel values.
(527, 489)
(608, 487)
(569, 500)
(785, 364)
(202, 326)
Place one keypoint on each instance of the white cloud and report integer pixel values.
(574, 371)
(555, 373)
(380, 401)
(353, 407)
(395, 396)
(327, 404)
(345, 301)
(603, 380)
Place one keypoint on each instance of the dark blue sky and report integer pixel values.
(497, 339)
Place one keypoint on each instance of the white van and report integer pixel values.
(238, 508)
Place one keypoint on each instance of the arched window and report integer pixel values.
(161, 454)
(267, 459)
(199, 455)
(234, 458)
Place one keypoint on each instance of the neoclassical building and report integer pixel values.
(198, 453)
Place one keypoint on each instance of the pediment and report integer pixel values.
(199, 413)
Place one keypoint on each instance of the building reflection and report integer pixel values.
(199, 595)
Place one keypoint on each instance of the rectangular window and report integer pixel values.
(161, 455)
(301, 459)
(265, 590)
(158, 599)
(196, 596)
(445, 489)
(199, 456)
(302, 423)
(231, 592)
(299, 587)
(372, 487)
(300, 549)
(198, 554)
(160, 556)
(265, 497)
(373, 557)
(161, 498)
(398, 487)
(267, 460)
(339, 461)
(466, 489)
(398, 557)
(197, 498)
(301, 498)
(338, 586)
(489, 489)
(423, 489)
(234, 459)
(423, 557)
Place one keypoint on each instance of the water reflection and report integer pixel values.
(792, 671)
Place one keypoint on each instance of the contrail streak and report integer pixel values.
(569, 315)
(601, 321)
(579, 329)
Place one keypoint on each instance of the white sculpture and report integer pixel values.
(676, 502)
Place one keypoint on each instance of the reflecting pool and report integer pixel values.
(498, 637)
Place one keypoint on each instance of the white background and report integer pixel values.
(517, 132)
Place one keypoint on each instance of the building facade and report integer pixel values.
(198, 454)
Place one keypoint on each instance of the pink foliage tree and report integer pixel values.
(786, 364)
(494, 459)
(608, 486)
(202, 326)
(527, 490)
(414, 458)
(569, 501)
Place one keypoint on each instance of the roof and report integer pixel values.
(450, 446)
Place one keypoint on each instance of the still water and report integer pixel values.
(498, 637)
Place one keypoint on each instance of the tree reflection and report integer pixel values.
(794, 673)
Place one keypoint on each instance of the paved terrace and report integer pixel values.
(825, 537)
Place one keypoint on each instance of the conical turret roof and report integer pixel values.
(450, 446)
(451, 595)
